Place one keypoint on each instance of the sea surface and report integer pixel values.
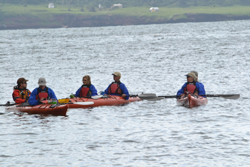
(151, 59)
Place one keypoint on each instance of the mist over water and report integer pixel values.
(151, 59)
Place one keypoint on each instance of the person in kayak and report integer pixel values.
(196, 73)
(192, 86)
(87, 89)
(117, 88)
(21, 94)
(41, 93)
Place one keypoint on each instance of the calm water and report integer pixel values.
(151, 59)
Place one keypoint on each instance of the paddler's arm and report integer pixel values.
(107, 90)
(125, 94)
(51, 94)
(181, 91)
(17, 98)
(32, 100)
(93, 90)
(77, 94)
(201, 88)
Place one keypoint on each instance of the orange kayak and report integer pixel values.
(110, 100)
(44, 109)
(191, 101)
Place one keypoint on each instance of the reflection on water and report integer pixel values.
(151, 59)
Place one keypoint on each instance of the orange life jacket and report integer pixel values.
(42, 94)
(23, 93)
(85, 91)
(191, 88)
(115, 88)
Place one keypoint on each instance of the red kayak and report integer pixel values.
(109, 100)
(191, 101)
(44, 109)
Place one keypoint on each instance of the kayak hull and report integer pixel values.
(107, 101)
(191, 101)
(43, 109)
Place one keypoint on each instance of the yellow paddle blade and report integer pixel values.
(63, 100)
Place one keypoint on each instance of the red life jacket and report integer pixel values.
(191, 88)
(115, 88)
(85, 91)
(42, 94)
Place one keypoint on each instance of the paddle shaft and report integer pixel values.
(226, 96)
(8, 104)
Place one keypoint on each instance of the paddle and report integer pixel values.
(226, 96)
(96, 97)
(152, 96)
(62, 101)
(8, 104)
(67, 100)
(82, 103)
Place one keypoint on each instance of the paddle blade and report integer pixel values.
(84, 103)
(150, 97)
(147, 96)
(63, 100)
(96, 97)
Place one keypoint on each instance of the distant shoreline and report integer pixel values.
(34, 17)
(71, 21)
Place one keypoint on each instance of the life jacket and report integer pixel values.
(115, 88)
(85, 91)
(42, 94)
(191, 88)
(23, 93)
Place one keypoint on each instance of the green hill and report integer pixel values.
(40, 16)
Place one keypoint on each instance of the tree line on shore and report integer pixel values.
(131, 3)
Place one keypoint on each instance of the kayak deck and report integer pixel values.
(191, 101)
(104, 101)
(44, 109)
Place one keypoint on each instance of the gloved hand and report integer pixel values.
(53, 101)
(102, 92)
(72, 96)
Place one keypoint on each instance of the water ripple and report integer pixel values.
(151, 59)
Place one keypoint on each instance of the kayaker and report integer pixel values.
(196, 73)
(87, 89)
(117, 88)
(41, 93)
(192, 86)
(197, 82)
(21, 94)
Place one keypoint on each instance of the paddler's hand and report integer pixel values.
(102, 93)
(124, 96)
(43, 102)
(196, 94)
